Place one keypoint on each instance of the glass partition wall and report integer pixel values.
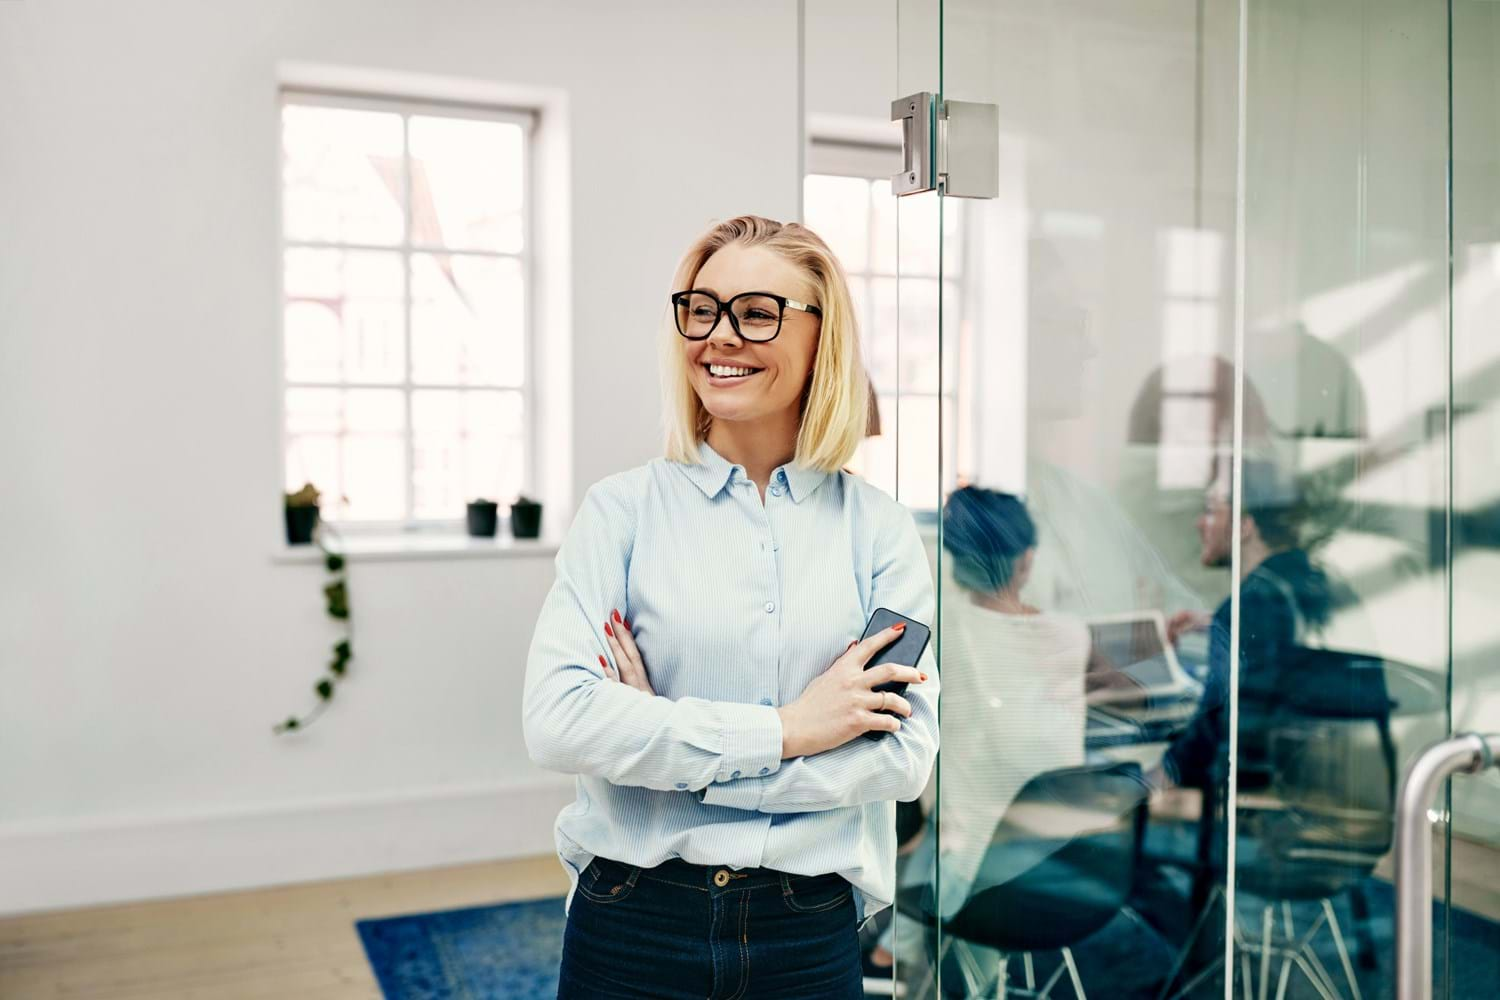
(1203, 426)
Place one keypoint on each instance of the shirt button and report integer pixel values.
(765, 770)
(765, 701)
(781, 474)
(770, 607)
(776, 491)
(736, 774)
(682, 784)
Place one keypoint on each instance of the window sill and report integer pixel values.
(406, 548)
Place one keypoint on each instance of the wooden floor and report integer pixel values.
(296, 941)
(299, 941)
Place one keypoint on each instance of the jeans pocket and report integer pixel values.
(814, 893)
(606, 881)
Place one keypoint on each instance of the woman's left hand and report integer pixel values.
(628, 666)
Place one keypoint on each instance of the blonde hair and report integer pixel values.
(836, 401)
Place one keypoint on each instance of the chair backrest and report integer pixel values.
(1329, 765)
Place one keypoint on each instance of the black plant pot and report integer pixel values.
(301, 522)
(483, 518)
(526, 520)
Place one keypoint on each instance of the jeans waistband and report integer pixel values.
(675, 871)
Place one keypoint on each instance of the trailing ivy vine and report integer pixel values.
(336, 598)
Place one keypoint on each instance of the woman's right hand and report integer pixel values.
(840, 705)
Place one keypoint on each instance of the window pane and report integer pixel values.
(917, 416)
(343, 316)
(468, 444)
(838, 209)
(341, 175)
(349, 443)
(466, 184)
(910, 360)
(468, 320)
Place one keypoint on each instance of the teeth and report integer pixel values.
(725, 370)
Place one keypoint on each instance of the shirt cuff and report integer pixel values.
(752, 749)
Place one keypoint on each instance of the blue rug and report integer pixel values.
(505, 952)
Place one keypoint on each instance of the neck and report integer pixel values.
(759, 446)
(1253, 552)
(1007, 600)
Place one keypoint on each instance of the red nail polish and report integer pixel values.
(617, 616)
(627, 626)
(899, 626)
(609, 631)
(924, 677)
(603, 663)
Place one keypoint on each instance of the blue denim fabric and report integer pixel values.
(674, 932)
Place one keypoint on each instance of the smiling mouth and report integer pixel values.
(726, 373)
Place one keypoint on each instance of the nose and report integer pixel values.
(723, 333)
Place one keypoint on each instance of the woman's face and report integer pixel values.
(780, 367)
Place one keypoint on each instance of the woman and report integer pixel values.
(1014, 708)
(695, 662)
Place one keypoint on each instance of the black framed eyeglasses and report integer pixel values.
(754, 315)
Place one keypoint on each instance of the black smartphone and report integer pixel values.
(907, 650)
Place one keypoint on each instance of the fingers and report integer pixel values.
(609, 671)
(879, 720)
(886, 673)
(865, 649)
(888, 701)
(627, 655)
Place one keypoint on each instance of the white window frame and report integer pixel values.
(406, 107)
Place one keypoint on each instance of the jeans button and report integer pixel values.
(721, 878)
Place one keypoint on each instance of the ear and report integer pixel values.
(1249, 532)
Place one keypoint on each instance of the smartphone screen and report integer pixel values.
(906, 650)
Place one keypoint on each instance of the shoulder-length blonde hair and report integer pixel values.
(835, 403)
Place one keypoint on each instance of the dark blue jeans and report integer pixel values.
(689, 931)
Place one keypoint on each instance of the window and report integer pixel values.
(847, 200)
(406, 321)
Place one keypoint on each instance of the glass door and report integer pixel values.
(1209, 456)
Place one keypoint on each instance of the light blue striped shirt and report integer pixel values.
(736, 606)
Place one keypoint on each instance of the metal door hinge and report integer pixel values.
(952, 147)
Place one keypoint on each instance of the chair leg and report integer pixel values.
(1187, 948)
(1067, 955)
(1338, 943)
(1265, 951)
(1052, 980)
(1323, 990)
(1030, 972)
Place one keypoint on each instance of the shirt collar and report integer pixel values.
(713, 472)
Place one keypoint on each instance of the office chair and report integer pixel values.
(1075, 834)
(1321, 766)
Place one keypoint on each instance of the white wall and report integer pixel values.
(147, 640)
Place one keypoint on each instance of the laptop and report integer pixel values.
(1135, 642)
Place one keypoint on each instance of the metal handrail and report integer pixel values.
(1466, 753)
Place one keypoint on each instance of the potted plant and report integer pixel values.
(302, 515)
(483, 515)
(525, 518)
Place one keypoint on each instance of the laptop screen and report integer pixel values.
(1135, 647)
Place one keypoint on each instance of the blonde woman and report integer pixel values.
(695, 663)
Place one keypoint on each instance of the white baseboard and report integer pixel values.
(63, 864)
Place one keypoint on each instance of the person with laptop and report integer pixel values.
(1285, 597)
